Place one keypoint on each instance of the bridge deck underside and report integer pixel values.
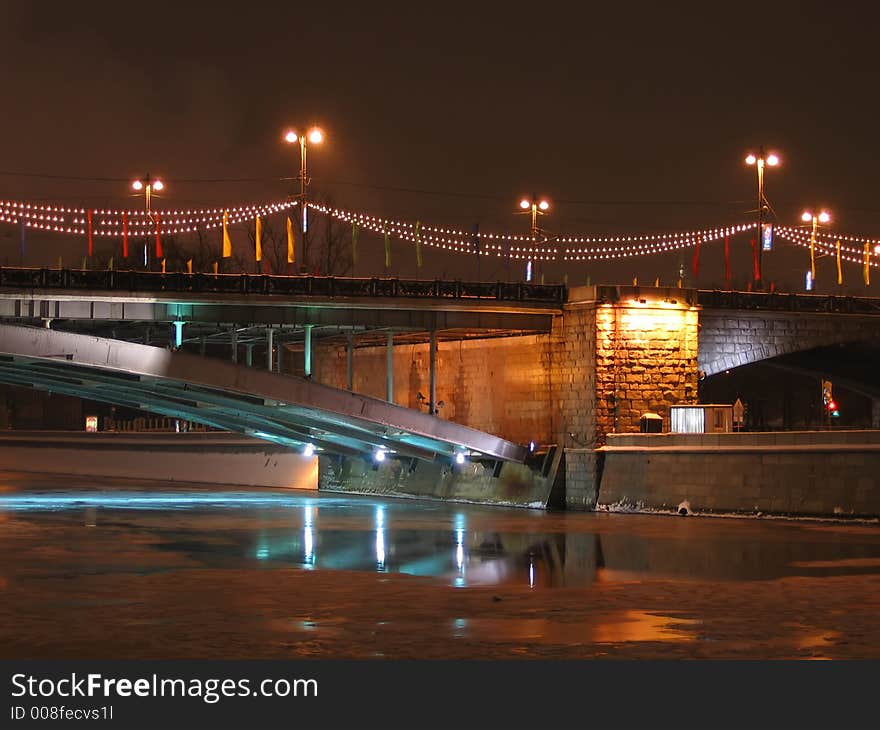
(280, 408)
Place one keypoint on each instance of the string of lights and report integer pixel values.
(801, 238)
(110, 223)
(116, 223)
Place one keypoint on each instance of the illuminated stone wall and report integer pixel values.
(600, 368)
(498, 385)
(646, 361)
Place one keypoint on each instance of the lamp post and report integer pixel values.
(315, 136)
(148, 185)
(814, 218)
(537, 207)
(759, 161)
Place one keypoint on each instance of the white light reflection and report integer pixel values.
(308, 536)
(459, 549)
(380, 538)
(531, 573)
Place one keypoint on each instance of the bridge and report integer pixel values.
(279, 408)
(524, 363)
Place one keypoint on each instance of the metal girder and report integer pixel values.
(244, 399)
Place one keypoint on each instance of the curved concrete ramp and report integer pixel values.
(279, 408)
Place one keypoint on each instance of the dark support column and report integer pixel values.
(307, 350)
(279, 364)
(203, 345)
(433, 372)
(389, 367)
(249, 354)
(234, 336)
(269, 336)
(349, 360)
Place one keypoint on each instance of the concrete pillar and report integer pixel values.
(307, 351)
(249, 354)
(432, 383)
(349, 360)
(875, 413)
(389, 367)
(279, 364)
(234, 345)
(203, 345)
(269, 335)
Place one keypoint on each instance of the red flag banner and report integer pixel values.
(696, 262)
(91, 240)
(727, 260)
(756, 264)
(159, 253)
(124, 235)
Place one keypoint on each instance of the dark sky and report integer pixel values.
(630, 117)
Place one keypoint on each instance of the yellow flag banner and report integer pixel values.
(163, 266)
(867, 272)
(227, 242)
(635, 281)
(387, 249)
(216, 267)
(110, 264)
(839, 270)
(189, 266)
(657, 281)
(258, 239)
(418, 245)
(813, 256)
(291, 250)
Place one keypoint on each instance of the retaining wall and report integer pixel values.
(819, 473)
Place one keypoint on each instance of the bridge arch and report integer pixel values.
(729, 338)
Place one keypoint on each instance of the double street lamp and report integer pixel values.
(148, 185)
(759, 161)
(537, 206)
(815, 218)
(314, 136)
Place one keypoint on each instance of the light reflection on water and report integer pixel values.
(458, 544)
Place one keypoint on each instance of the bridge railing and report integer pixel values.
(788, 302)
(266, 284)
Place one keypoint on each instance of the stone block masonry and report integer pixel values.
(830, 473)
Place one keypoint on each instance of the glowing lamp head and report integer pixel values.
(824, 216)
(772, 160)
(309, 450)
(806, 216)
(379, 455)
(290, 136)
(137, 185)
(751, 160)
(316, 136)
(158, 185)
(459, 458)
(524, 204)
(543, 205)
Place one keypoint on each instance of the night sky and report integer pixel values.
(633, 118)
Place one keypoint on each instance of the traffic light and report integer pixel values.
(832, 409)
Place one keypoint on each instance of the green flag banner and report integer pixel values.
(354, 243)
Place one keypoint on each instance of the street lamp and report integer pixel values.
(537, 206)
(759, 161)
(814, 218)
(148, 185)
(314, 136)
